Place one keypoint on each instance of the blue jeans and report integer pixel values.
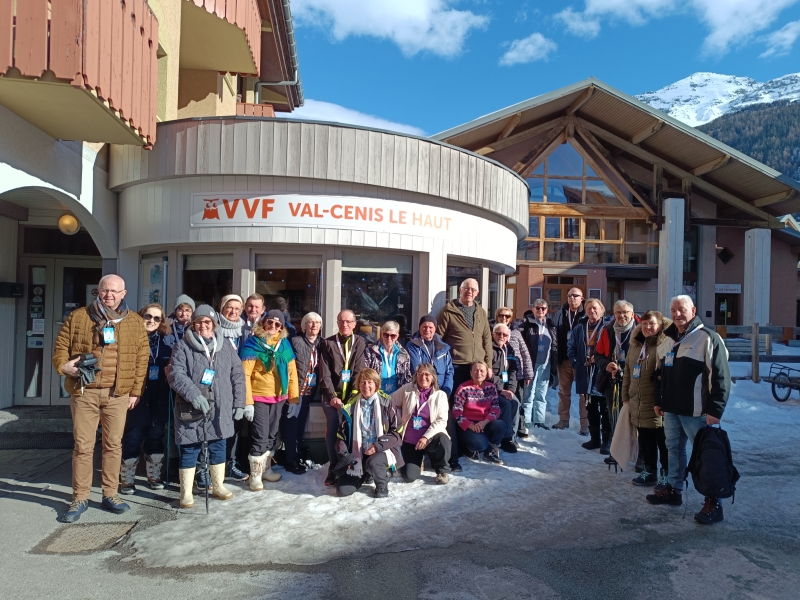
(492, 435)
(678, 429)
(534, 403)
(189, 453)
(152, 435)
(509, 414)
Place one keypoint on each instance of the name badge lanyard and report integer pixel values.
(590, 339)
(109, 323)
(620, 342)
(505, 364)
(312, 369)
(671, 355)
(389, 362)
(210, 355)
(416, 419)
(345, 352)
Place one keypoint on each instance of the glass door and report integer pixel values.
(292, 284)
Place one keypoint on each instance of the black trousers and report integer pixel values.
(237, 447)
(599, 420)
(375, 465)
(652, 443)
(461, 374)
(266, 426)
(437, 451)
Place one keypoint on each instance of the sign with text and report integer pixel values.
(341, 212)
(727, 288)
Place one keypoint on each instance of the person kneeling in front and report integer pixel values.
(424, 425)
(477, 413)
(369, 441)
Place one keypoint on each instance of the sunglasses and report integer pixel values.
(539, 308)
(501, 316)
(149, 317)
(574, 296)
(391, 336)
(273, 323)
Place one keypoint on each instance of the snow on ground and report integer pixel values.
(546, 493)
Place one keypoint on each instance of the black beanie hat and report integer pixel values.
(427, 319)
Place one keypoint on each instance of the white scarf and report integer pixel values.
(356, 467)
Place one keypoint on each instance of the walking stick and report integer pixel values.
(204, 459)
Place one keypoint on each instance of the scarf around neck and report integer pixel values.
(357, 466)
(278, 353)
(101, 315)
(230, 329)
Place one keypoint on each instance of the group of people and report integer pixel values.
(234, 385)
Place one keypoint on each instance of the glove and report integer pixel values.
(292, 410)
(249, 411)
(201, 404)
(238, 413)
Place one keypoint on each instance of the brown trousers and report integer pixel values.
(566, 376)
(93, 407)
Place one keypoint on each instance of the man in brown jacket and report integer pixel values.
(118, 340)
(464, 325)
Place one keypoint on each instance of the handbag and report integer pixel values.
(185, 410)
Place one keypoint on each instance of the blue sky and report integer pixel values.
(427, 65)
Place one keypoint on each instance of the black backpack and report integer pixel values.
(711, 464)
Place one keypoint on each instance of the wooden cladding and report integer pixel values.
(105, 47)
(254, 110)
(242, 13)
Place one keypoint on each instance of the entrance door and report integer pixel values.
(726, 309)
(53, 289)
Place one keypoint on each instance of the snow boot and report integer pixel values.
(710, 513)
(330, 478)
(584, 431)
(442, 478)
(268, 475)
(153, 463)
(508, 445)
(382, 490)
(541, 426)
(662, 481)
(605, 448)
(296, 467)
(645, 477)
(639, 465)
(668, 495)
(186, 477)
(127, 476)
(492, 455)
(562, 424)
(256, 470)
(217, 478)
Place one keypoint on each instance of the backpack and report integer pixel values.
(711, 464)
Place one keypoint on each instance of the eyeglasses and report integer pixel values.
(391, 336)
(149, 317)
(204, 322)
(114, 292)
(574, 296)
(539, 308)
(233, 309)
(345, 322)
(502, 335)
(272, 323)
(473, 290)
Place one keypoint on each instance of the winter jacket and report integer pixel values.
(530, 335)
(498, 366)
(577, 352)
(466, 345)
(153, 406)
(228, 390)
(389, 439)
(331, 366)
(268, 383)
(406, 400)
(373, 359)
(640, 394)
(302, 351)
(561, 323)
(441, 360)
(472, 404)
(177, 329)
(525, 366)
(699, 380)
(123, 363)
(605, 354)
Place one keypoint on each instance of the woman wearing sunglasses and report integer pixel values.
(145, 422)
(389, 359)
(271, 379)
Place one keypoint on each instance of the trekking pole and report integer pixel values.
(204, 459)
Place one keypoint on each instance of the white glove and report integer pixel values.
(249, 411)
(293, 410)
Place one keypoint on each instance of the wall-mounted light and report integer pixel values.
(68, 224)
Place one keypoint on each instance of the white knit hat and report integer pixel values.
(228, 298)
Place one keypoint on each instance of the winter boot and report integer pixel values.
(442, 478)
(256, 470)
(153, 464)
(662, 481)
(186, 477)
(646, 477)
(492, 455)
(668, 495)
(541, 426)
(217, 479)
(382, 490)
(639, 465)
(234, 472)
(562, 424)
(330, 478)
(508, 445)
(605, 448)
(710, 513)
(584, 431)
(127, 476)
(202, 482)
(268, 475)
(594, 442)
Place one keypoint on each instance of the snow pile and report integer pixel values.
(702, 97)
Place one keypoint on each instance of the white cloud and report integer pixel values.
(414, 25)
(529, 49)
(578, 24)
(636, 12)
(780, 42)
(317, 110)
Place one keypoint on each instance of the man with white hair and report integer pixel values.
(692, 392)
(116, 337)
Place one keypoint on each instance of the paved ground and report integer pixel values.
(587, 547)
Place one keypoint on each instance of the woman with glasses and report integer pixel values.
(541, 338)
(230, 319)
(271, 379)
(389, 359)
(504, 316)
(145, 422)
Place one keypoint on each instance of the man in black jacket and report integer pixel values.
(564, 320)
(541, 337)
(692, 392)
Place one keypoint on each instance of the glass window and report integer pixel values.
(562, 251)
(293, 290)
(601, 253)
(553, 279)
(528, 250)
(540, 169)
(494, 289)
(536, 189)
(378, 288)
(565, 160)
(47, 240)
(639, 231)
(552, 227)
(554, 297)
(533, 227)
(612, 229)
(564, 191)
(590, 171)
(641, 254)
(599, 193)
(455, 275)
(593, 227)
(208, 277)
(572, 228)
(690, 251)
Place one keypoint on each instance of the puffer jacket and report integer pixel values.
(227, 391)
(441, 360)
(466, 345)
(268, 384)
(153, 407)
(406, 399)
(640, 393)
(302, 352)
(525, 365)
(373, 359)
(123, 364)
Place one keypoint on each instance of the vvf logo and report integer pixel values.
(249, 205)
(211, 210)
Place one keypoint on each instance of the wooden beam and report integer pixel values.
(521, 136)
(645, 133)
(512, 123)
(580, 100)
(774, 198)
(13, 211)
(601, 173)
(658, 185)
(711, 165)
(701, 184)
(738, 223)
(554, 209)
(534, 158)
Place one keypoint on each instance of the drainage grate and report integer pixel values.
(85, 538)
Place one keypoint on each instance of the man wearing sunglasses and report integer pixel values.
(541, 339)
(565, 320)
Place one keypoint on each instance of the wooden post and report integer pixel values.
(754, 341)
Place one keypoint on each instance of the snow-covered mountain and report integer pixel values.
(703, 97)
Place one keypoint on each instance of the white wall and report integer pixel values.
(8, 272)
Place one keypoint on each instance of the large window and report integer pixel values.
(290, 283)
(208, 277)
